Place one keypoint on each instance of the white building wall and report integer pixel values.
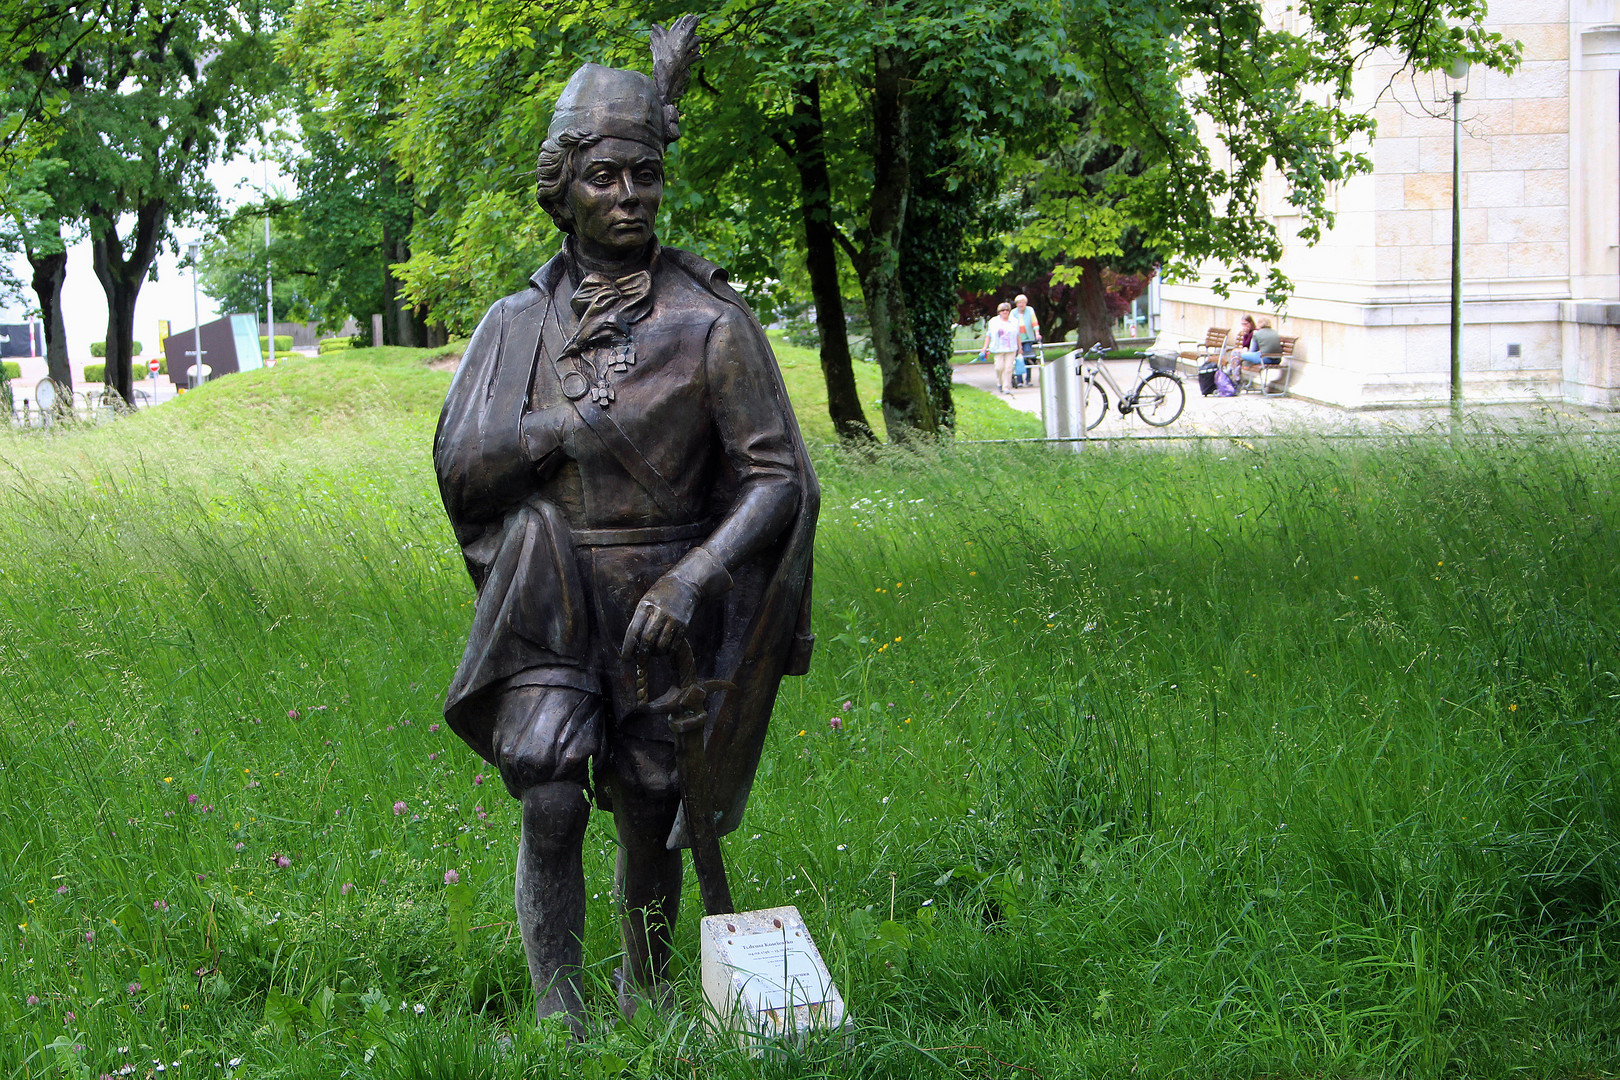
(1540, 159)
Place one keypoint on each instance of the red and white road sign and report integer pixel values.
(153, 364)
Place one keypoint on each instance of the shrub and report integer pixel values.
(284, 342)
(99, 348)
(98, 372)
(10, 369)
(333, 344)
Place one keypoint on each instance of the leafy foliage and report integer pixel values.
(142, 97)
(233, 264)
(1182, 109)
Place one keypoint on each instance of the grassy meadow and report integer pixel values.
(1286, 759)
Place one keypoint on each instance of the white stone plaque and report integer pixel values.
(764, 978)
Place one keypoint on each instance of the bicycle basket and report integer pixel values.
(1162, 361)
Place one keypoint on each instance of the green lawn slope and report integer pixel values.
(1285, 759)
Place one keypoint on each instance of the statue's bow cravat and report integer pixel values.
(606, 307)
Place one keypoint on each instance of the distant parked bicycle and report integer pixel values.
(1157, 398)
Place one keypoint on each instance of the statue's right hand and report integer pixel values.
(543, 430)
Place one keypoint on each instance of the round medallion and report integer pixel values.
(574, 385)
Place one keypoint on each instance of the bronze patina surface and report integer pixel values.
(624, 474)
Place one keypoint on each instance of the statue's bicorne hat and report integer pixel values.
(619, 104)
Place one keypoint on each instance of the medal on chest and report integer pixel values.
(595, 371)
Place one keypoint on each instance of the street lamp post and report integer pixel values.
(194, 249)
(269, 293)
(1456, 75)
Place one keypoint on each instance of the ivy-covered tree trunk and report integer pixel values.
(929, 262)
(908, 409)
(49, 272)
(821, 261)
(937, 218)
(121, 278)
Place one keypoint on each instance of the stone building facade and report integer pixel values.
(1540, 162)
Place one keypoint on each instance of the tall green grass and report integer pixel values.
(1296, 761)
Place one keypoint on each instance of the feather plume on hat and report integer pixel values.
(674, 51)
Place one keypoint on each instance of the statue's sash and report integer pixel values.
(554, 337)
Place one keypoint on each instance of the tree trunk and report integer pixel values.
(907, 408)
(821, 260)
(121, 279)
(406, 321)
(937, 217)
(1093, 322)
(50, 271)
(390, 290)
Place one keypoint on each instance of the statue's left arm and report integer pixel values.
(751, 418)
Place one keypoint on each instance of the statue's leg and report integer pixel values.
(648, 876)
(551, 896)
(543, 739)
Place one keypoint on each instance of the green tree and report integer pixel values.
(234, 262)
(1160, 80)
(359, 211)
(871, 137)
(144, 98)
(891, 114)
(31, 227)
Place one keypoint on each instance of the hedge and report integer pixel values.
(284, 343)
(10, 369)
(99, 348)
(98, 372)
(333, 344)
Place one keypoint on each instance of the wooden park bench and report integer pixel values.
(1210, 348)
(1274, 368)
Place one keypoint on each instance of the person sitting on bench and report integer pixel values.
(1265, 342)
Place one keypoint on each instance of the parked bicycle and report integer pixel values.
(1158, 397)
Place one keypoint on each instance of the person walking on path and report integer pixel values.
(1029, 336)
(1001, 342)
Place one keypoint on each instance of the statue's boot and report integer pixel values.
(648, 881)
(660, 996)
(551, 897)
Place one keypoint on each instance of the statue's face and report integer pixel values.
(613, 197)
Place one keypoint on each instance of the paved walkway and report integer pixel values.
(1254, 414)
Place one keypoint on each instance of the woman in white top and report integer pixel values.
(1001, 342)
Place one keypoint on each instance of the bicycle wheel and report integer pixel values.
(1160, 398)
(1093, 402)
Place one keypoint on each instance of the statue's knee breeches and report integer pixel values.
(546, 735)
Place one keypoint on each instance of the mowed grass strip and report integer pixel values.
(1289, 760)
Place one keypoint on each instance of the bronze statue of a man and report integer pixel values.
(624, 475)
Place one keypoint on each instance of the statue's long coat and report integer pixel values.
(516, 530)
